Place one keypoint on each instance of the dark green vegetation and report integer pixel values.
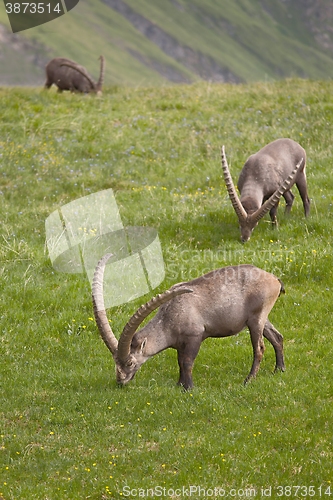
(66, 430)
(148, 42)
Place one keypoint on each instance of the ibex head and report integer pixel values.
(248, 213)
(132, 350)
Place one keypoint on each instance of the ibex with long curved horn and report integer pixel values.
(218, 304)
(266, 176)
(68, 75)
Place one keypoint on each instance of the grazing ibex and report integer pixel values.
(218, 304)
(266, 176)
(68, 75)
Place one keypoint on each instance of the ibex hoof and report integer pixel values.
(280, 369)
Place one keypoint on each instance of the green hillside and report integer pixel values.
(146, 41)
(67, 432)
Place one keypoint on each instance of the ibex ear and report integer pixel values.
(143, 345)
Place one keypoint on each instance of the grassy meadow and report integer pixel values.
(66, 430)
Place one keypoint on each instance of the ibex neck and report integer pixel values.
(157, 337)
(251, 199)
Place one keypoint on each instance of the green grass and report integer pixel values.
(66, 430)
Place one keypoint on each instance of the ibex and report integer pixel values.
(68, 75)
(266, 176)
(218, 304)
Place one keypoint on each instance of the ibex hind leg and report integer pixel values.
(256, 333)
(276, 339)
(303, 191)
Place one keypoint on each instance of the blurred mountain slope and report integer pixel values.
(159, 41)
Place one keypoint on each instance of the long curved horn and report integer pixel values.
(99, 307)
(256, 216)
(238, 207)
(142, 313)
(101, 76)
(80, 70)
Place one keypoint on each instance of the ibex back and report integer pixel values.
(218, 304)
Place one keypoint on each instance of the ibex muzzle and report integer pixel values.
(266, 176)
(218, 304)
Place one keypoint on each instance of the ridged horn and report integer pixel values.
(99, 84)
(138, 317)
(83, 72)
(256, 216)
(99, 307)
(236, 203)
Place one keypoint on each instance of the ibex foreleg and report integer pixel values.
(273, 213)
(186, 356)
(289, 197)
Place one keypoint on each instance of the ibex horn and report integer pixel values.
(133, 324)
(99, 307)
(256, 216)
(101, 75)
(80, 70)
(238, 207)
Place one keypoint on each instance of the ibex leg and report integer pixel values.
(303, 191)
(272, 213)
(256, 332)
(186, 357)
(289, 197)
(276, 339)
